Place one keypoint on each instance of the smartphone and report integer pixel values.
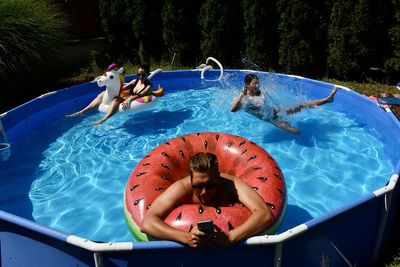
(206, 227)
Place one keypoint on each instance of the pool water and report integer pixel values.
(75, 173)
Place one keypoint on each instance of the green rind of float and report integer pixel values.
(132, 226)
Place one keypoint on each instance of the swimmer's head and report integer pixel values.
(252, 84)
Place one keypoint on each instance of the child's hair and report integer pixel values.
(249, 77)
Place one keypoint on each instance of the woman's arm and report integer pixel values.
(153, 222)
(144, 92)
(260, 218)
(237, 102)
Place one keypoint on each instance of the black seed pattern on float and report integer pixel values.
(182, 154)
(140, 174)
(159, 188)
(183, 139)
(164, 154)
(262, 178)
(217, 137)
(134, 187)
(165, 166)
(252, 157)
(137, 201)
(241, 143)
(280, 192)
(164, 177)
(146, 164)
(218, 210)
(244, 151)
(230, 226)
(278, 176)
(148, 206)
(200, 209)
(205, 144)
(272, 206)
(229, 145)
(179, 217)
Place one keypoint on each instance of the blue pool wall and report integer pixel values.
(361, 231)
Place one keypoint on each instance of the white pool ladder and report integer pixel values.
(4, 146)
(154, 73)
(205, 67)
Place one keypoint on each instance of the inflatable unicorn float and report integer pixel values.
(114, 80)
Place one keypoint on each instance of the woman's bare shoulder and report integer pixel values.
(228, 176)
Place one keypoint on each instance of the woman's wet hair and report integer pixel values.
(249, 77)
(146, 68)
(204, 163)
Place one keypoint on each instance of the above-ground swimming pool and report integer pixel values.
(68, 175)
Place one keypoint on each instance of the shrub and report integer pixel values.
(31, 35)
(220, 23)
(31, 32)
(261, 42)
(179, 18)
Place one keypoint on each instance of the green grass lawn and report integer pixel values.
(368, 89)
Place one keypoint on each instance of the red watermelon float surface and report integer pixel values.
(169, 162)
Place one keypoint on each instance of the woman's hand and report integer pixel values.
(126, 104)
(193, 238)
(216, 239)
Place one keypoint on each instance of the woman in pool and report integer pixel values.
(137, 88)
(258, 105)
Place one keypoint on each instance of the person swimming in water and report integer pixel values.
(257, 104)
(137, 88)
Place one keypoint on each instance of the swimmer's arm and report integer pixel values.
(129, 85)
(153, 222)
(131, 98)
(237, 102)
(260, 218)
(146, 91)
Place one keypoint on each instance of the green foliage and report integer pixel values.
(348, 31)
(302, 34)
(221, 35)
(147, 27)
(343, 39)
(260, 41)
(116, 19)
(179, 22)
(31, 33)
(392, 63)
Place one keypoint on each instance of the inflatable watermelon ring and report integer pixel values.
(169, 162)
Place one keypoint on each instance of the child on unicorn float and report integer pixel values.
(136, 88)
